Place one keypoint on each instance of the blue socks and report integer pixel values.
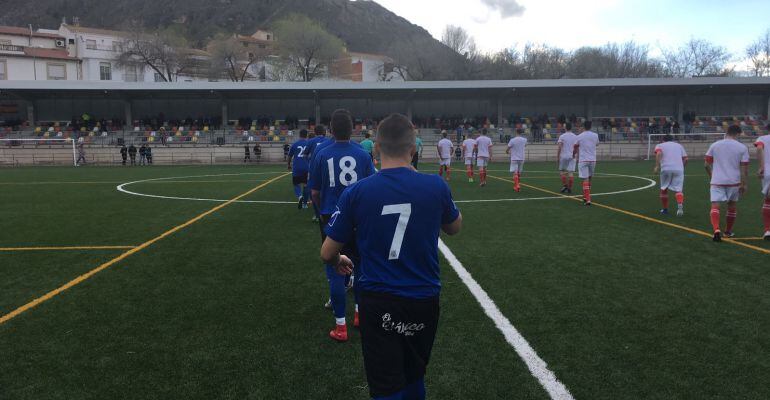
(297, 191)
(415, 391)
(336, 291)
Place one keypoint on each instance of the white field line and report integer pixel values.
(122, 188)
(537, 367)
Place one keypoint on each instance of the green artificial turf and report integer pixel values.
(231, 306)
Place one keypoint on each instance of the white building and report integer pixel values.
(32, 55)
(372, 68)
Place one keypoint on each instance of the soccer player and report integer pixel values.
(445, 148)
(368, 144)
(469, 150)
(394, 217)
(585, 150)
(483, 155)
(417, 154)
(566, 145)
(670, 160)
(727, 163)
(763, 156)
(335, 168)
(299, 169)
(517, 148)
(124, 153)
(319, 136)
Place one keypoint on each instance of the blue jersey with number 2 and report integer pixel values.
(395, 217)
(298, 152)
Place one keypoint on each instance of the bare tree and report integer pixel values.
(758, 54)
(541, 61)
(417, 59)
(697, 57)
(307, 46)
(231, 59)
(164, 52)
(626, 60)
(458, 39)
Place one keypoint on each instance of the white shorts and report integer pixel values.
(567, 164)
(445, 162)
(468, 160)
(673, 180)
(586, 169)
(517, 166)
(721, 194)
(766, 185)
(482, 162)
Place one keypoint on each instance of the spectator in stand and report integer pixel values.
(247, 154)
(675, 127)
(163, 135)
(132, 154)
(124, 153)
(258, 152)
(148, 154)
(143, 155)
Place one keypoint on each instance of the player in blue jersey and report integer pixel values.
(298, 164)
(394, 217)
(335, 168)
(318, 138)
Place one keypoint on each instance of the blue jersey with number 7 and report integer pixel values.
(335, 168)
(395, 218)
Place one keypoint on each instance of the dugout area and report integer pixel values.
(195, 298)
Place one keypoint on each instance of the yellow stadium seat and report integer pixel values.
(205, 129)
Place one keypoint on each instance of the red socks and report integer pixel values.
(664, 198)
(732, 213)
(564, 180)
(766, 214)
(448, 172)
(571, 181)
(516, 181)
(715, 217)
(680, 199)
(587, 191)
(483, 175)
(469, 171)
(441, 171)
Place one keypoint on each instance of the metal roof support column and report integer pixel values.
(317, 107)
(128, 115)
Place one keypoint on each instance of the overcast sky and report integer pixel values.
(569, 24)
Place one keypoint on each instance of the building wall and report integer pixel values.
(28, 68)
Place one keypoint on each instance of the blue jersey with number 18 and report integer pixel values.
(335, 168)
(395, 217)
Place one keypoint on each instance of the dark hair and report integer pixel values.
(568, 126)
(587, 125)
(303, 133)
(396, 135)
(320, 130)
(367, 135)
(668, 138)
(444, 134)
(484, 131)
(342, 124)
(734, 130)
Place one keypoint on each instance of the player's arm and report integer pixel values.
(709, 164)
(761, 158)
(330, 254)
(685, 160)
(559, 146)
(454, 227)
(575, 150)
(744, 177)
(658, 157)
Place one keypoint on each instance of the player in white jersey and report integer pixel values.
(670, 160)
(445, 149)
(469, 151)
(517, 149)
(727, 163)
(566, 159)
(585, 150)
(763, 155)
(484, 155)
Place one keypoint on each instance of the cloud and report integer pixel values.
(507, 8)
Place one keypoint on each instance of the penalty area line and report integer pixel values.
(536, 365)
(82, 278)
(64, 248)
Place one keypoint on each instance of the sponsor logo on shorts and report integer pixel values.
(402, 328)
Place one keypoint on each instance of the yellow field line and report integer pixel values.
(48, 296)
(749, 238)
(644, 217)
(64, 248)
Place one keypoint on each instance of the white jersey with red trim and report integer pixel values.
(763, 145)
(727, 156)
(517, 146)
(567, 139)
(468, 146)
(484, 145)
(673, 155)
(588, 142)
(445, 148)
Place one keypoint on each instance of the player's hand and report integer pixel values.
(344, 265)
(655, 170)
